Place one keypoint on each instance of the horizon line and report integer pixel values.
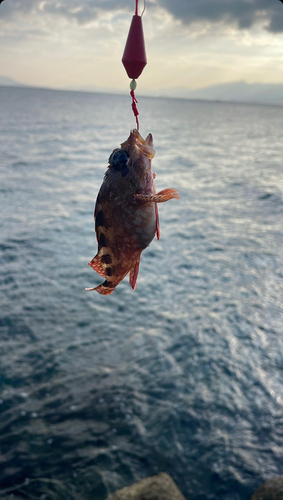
(142, 95)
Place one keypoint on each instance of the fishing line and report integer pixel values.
(137, 7)
(144, 7)
(133, 86)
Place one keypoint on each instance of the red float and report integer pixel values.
(134, 57)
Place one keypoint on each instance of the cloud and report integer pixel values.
(276, 21)
(80, 10)
(9, 7)
(243, 13)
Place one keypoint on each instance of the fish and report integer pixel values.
(126, 213)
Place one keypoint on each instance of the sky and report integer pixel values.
(189, 43)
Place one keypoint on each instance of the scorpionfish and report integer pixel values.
(126, 213)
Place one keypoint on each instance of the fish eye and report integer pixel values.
(119, 159)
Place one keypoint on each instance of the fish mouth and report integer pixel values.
(145, 146)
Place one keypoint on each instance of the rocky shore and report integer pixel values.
(163, 487)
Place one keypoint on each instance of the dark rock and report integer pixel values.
(271, 490)
(161, 487)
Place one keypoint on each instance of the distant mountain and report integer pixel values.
(6, 81)
(269, 93)
(9, 82)
(92, 88)
(262, 93)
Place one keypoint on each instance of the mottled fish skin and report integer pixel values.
(126, 214)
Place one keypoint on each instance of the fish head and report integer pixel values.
(137, 146)
(131, 162)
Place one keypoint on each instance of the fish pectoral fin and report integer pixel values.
(97, 265)
(161, 197)
(165, 195)
(134, 274)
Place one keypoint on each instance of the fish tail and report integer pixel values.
(106, 288)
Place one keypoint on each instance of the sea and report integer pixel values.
(185, 374)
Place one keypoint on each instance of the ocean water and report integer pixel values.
(184, 375)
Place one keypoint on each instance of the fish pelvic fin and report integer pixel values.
(157, 232)
(134, 274)
(161, 197)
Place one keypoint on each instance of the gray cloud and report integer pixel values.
(243, 13)
(80, 10)
(276, 21)
(86, 10)
(10, 6)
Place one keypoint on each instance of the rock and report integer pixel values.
(161, 487)
(271, 490)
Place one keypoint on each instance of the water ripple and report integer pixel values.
(185, 374)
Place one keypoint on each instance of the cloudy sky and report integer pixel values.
(189, 43)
